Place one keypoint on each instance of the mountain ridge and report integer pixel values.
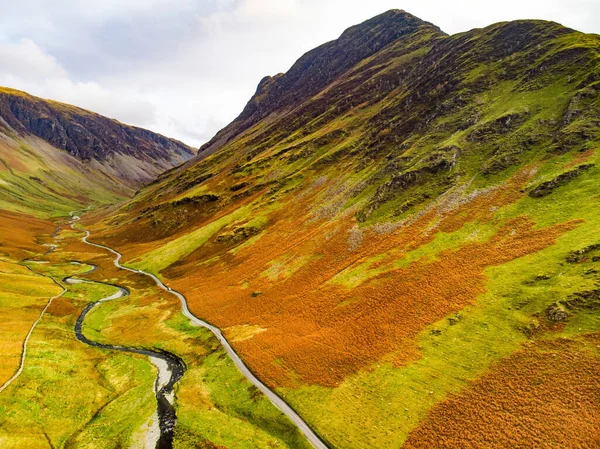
(316, 68)
(435, 73)
(91, 137)
(55, 157)
(400, 237)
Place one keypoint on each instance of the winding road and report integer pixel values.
(310, 435)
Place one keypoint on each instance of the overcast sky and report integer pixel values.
(186, 68)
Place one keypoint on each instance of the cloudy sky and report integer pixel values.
(185, 68)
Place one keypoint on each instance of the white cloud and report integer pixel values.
(25, 60)
(187, 67)
(266, 9)
(93, 96)
(25, 66)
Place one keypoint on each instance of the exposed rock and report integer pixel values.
(236, 187)
(589, 300)
(238, 235)
(556, 314)
(502, 125)
(188, 184)
(190, 200)
(585, 300)
(580, 254)
(546, 188)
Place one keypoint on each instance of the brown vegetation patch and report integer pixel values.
(580, 158)
(103, 259)
(544, 396)
(19, 232)
(319, 332)
(62, 307)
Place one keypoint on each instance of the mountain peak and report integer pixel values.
(392, 21)
(322, 65)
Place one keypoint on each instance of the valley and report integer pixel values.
(395, 244)
(117, 404)
(176, 369)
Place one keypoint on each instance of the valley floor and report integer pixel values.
(70, 394)
(516, 363)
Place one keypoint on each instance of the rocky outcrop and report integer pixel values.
(546, 188)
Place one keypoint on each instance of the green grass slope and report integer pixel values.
(40, 180)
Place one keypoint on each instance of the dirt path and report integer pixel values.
(26, 341)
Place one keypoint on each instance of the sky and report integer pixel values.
(186, 68)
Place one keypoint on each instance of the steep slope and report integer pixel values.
(132, 156)
(318, 68)
(38, 179)
(382, 231)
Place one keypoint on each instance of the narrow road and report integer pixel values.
(310, 435)
(26, 341)
(170, 367)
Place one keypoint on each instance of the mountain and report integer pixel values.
(403, 228)
(53, 154)
(319, 68)
(400, 236)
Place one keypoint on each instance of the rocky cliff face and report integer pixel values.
(133, 155)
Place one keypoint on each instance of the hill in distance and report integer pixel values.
(55, 156)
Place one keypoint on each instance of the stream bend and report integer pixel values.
(172, 365)
(275, 399)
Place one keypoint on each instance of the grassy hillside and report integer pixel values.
(38, 179)
(387, 244)
(55, 157)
